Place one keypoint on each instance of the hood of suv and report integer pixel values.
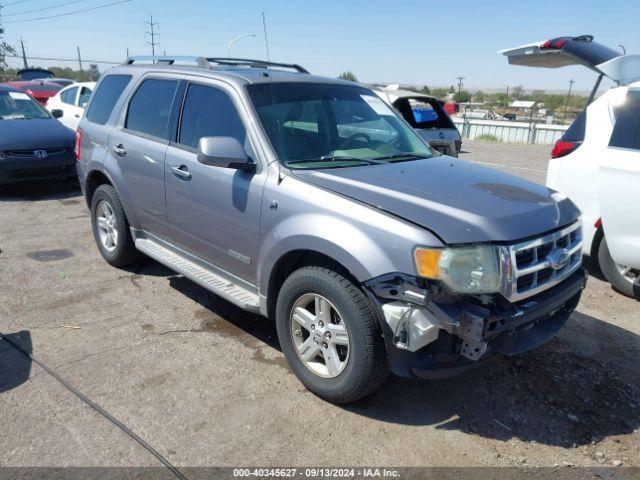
(459, 201)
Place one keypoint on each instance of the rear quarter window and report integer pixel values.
(105, 98)
(575, 133)
(626, 131)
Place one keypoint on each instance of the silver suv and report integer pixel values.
(310, 201)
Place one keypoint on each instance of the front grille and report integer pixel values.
(29, 153)
(535, 265)
(26, 173)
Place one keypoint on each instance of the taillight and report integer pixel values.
(562, 148)
(78, 143)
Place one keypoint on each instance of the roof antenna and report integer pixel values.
(268, 73)
(266, 40)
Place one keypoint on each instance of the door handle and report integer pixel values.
(182, 171)
(119, 150)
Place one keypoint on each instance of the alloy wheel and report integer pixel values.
(107, 226)
(319, 335)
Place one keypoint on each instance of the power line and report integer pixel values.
(68, 13)
(63, 59)
(13, 3)
(40, 9)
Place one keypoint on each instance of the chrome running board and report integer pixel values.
(203, 276)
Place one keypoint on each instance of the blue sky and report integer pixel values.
(416, 42)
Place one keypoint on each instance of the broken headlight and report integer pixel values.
(474, 269)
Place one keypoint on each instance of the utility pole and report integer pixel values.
(79, 59)
(460, 79)
(566, 105)
(153, 34)
(127, 53)
(24, 55)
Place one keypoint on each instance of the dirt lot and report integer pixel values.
(205, 383)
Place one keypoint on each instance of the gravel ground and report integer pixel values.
(205, 383)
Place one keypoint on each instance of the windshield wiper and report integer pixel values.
(346, 158)
(337, 159)
(403, 156)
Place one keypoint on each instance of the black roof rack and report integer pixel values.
(204, 62)
(247, 62)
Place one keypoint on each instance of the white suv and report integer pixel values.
(597, 161)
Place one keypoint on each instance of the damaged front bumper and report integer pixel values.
(439, 335)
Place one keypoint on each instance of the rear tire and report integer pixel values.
(360, 353)
(111, 228)
(611, 271)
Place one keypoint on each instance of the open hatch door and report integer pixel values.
(582, 50)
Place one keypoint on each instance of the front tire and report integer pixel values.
(111, 228)
(329, 335)
(621, 278)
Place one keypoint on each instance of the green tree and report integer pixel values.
(479, 96)
(501, 99)
(348, 75)
(5, 49)
(462, 97)
(517, 91)
(451, 89)
(439, 92)
(426, 90)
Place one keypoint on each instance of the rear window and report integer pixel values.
(575, 133)
(626, 131)
(150, 107)
(423, 113)
(42, 87)
(105, 98)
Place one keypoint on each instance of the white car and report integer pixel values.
(71, 101)
(596, 163)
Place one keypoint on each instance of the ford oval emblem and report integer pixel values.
(559, 258)
(441, 135)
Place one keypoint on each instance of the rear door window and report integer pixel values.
(626, 131)
(105, 98)
(150, 107)
(209, 112)
(69, 96)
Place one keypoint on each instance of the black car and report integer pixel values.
(33, 144)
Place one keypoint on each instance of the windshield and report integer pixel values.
(324, 126)
(20, 106)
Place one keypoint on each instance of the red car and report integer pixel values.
(451, 108)
(41, 91)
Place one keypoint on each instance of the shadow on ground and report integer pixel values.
(15, 367)
(63, 190)
(578, 388)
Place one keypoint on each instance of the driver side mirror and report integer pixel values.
(225, 152)
(57, 113)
